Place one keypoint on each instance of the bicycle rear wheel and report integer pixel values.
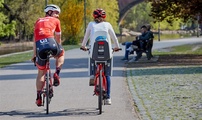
(47, 92)
(100, 96)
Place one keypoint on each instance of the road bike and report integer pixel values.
(100, 60)
(47, 91)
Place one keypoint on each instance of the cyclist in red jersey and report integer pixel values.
(47, 34)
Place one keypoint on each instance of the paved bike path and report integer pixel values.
(73, 99)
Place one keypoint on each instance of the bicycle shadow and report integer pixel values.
(73, 112)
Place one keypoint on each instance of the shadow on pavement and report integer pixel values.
(42, 114)
(66, 71)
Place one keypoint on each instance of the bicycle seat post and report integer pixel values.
(49, 53)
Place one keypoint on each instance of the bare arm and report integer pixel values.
(34, 51)
(58, 38)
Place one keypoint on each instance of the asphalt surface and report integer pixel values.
(73, 99)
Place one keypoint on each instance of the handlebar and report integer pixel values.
(117, 49)
(89, 48)
(84, 49)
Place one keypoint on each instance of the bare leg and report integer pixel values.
(59, 61)
(40, 80)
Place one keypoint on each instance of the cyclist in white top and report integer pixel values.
(99, 24)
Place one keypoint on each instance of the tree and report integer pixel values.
(72, 17)
(139, 15)
(24, 13)
(72, 21)
(6, 28)
(176, 9)
(111, 8)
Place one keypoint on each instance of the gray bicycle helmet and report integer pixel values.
(52, 7)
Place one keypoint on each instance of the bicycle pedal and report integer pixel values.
(96, 93)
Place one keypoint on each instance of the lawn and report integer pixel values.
(21, 57)
(169, 89)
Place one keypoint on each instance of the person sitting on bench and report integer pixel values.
(142, 44)
(128, 48)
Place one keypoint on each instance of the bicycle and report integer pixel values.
(47, 91)
(100, 55)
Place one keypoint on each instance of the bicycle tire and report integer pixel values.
(100, 96)
(47, 92)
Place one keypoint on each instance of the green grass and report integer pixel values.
(167, 92)
(17, 58)
(195, 49)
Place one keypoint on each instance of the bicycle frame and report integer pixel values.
(100, 87)
(99, 72)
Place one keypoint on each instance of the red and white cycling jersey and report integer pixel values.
(45, 28)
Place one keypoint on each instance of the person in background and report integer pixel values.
(127, 52)
(130, 46)
(143, 43)
(151, 39)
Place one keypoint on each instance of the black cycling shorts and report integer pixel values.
(43, 47)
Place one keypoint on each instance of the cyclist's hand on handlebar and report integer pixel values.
(83, 48)
(116, 49)
(33, 59)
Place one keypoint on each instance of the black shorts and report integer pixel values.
(43, 47)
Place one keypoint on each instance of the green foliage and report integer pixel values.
(164, 25)
(137, 16)
(110, 7)
(1, 3)
(140, 15)
(72, 21)
(6, 29)
(171, 9)
(71, 41)
(22, 15)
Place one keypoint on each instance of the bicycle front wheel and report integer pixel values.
(100, 96)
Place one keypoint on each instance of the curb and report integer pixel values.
(136, 99)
